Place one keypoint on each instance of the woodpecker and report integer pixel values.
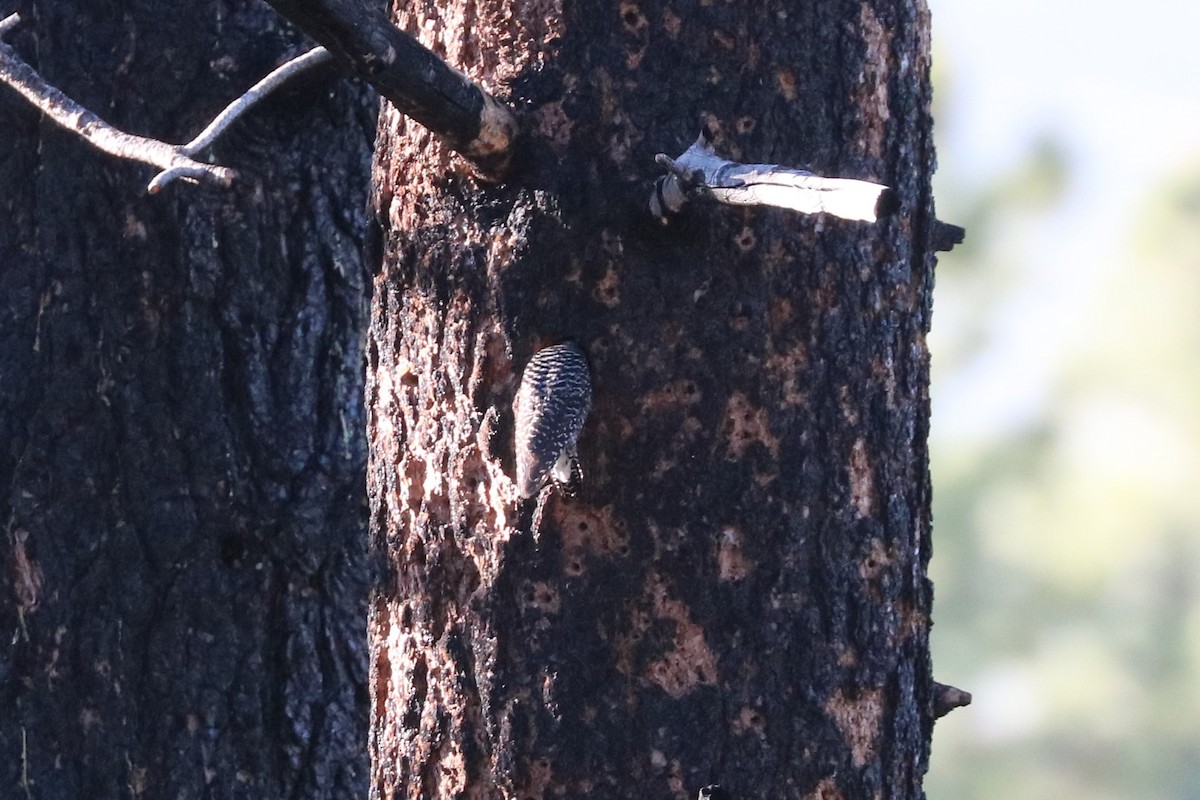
(550, 408)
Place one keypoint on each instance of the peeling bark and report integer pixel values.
(738, 596)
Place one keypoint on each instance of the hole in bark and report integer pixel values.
(746, 240)
(633, 17)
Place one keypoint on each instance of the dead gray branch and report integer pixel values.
(700, 172)
(175, 162)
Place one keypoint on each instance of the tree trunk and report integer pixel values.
(180, 405)
(738, 595)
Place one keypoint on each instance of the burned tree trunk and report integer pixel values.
(738, 594)
(183, 569)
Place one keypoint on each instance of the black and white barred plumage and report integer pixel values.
(551, 406)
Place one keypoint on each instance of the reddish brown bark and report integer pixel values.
(738, 596)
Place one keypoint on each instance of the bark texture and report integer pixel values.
(182, 593)
(738, 596)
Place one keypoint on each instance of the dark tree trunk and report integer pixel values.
(739, 594)
(183, 579)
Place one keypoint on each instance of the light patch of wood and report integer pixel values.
(383, 431)
(785, 367)
(781, 313)
(749, 720)
(885, 371)
(873, 566)
(785, 84)
(449, 769)
(89, 718)
(746, 425)
(847, 657)
(589, 529)
(846, 401)
(827, 789)
(497, 130)
(586, 532)
(914, 623)
(723, 40)
(859, 719)
(862, 480)
(872, 93)
(672, 23)
(691, 663)
(415, 700)
(671, 396)
(675, 781)
(732, 563)
(608, 288)
(136, 780)
(491, 42)
(553, 125)
(877, 560)
(626, 643)
(26, 574)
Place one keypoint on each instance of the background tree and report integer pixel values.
(183, 567)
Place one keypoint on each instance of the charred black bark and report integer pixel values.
(739, 595)
(416, 80)
(180, 385)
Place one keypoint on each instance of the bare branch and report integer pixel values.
(701, 171)
(70, 115)
(175, 161)
(276, 78)
(415, 80)
(273, 80)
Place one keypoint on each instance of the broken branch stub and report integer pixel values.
(946, 698)
(415, 80)
(701, 172)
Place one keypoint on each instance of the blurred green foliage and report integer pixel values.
(1067, 540)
